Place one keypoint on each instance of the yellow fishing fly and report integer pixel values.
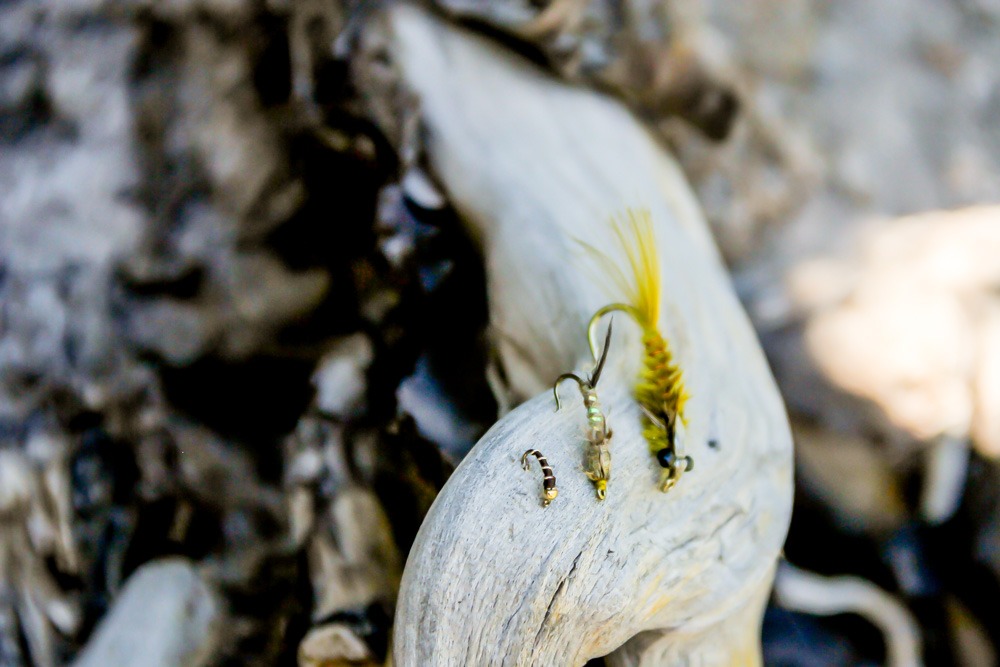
(660, 389)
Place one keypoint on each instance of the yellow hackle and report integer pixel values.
(641, 289)
(635, 234)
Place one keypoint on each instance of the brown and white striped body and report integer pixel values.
(549, 490)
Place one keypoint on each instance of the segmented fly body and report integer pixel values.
(549, 490)
(660, 389)
(598, 465)
(598, 460)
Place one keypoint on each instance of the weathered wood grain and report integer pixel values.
(493, 578)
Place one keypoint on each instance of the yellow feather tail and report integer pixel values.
(634, 231)
(635, 234)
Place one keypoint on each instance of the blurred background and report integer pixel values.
(243, 335)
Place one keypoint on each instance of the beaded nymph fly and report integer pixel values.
(660, 389)
(598, 464)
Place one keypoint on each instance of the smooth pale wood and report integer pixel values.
(165, 616)
(493, 578)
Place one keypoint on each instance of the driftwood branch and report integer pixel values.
(825, 596)
(533, 165)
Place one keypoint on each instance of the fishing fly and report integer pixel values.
(598, 460)
(660, 389)
(549, 490)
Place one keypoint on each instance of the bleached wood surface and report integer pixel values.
(165, 616)
(676, 578)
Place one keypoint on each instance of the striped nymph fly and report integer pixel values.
(549, 490)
